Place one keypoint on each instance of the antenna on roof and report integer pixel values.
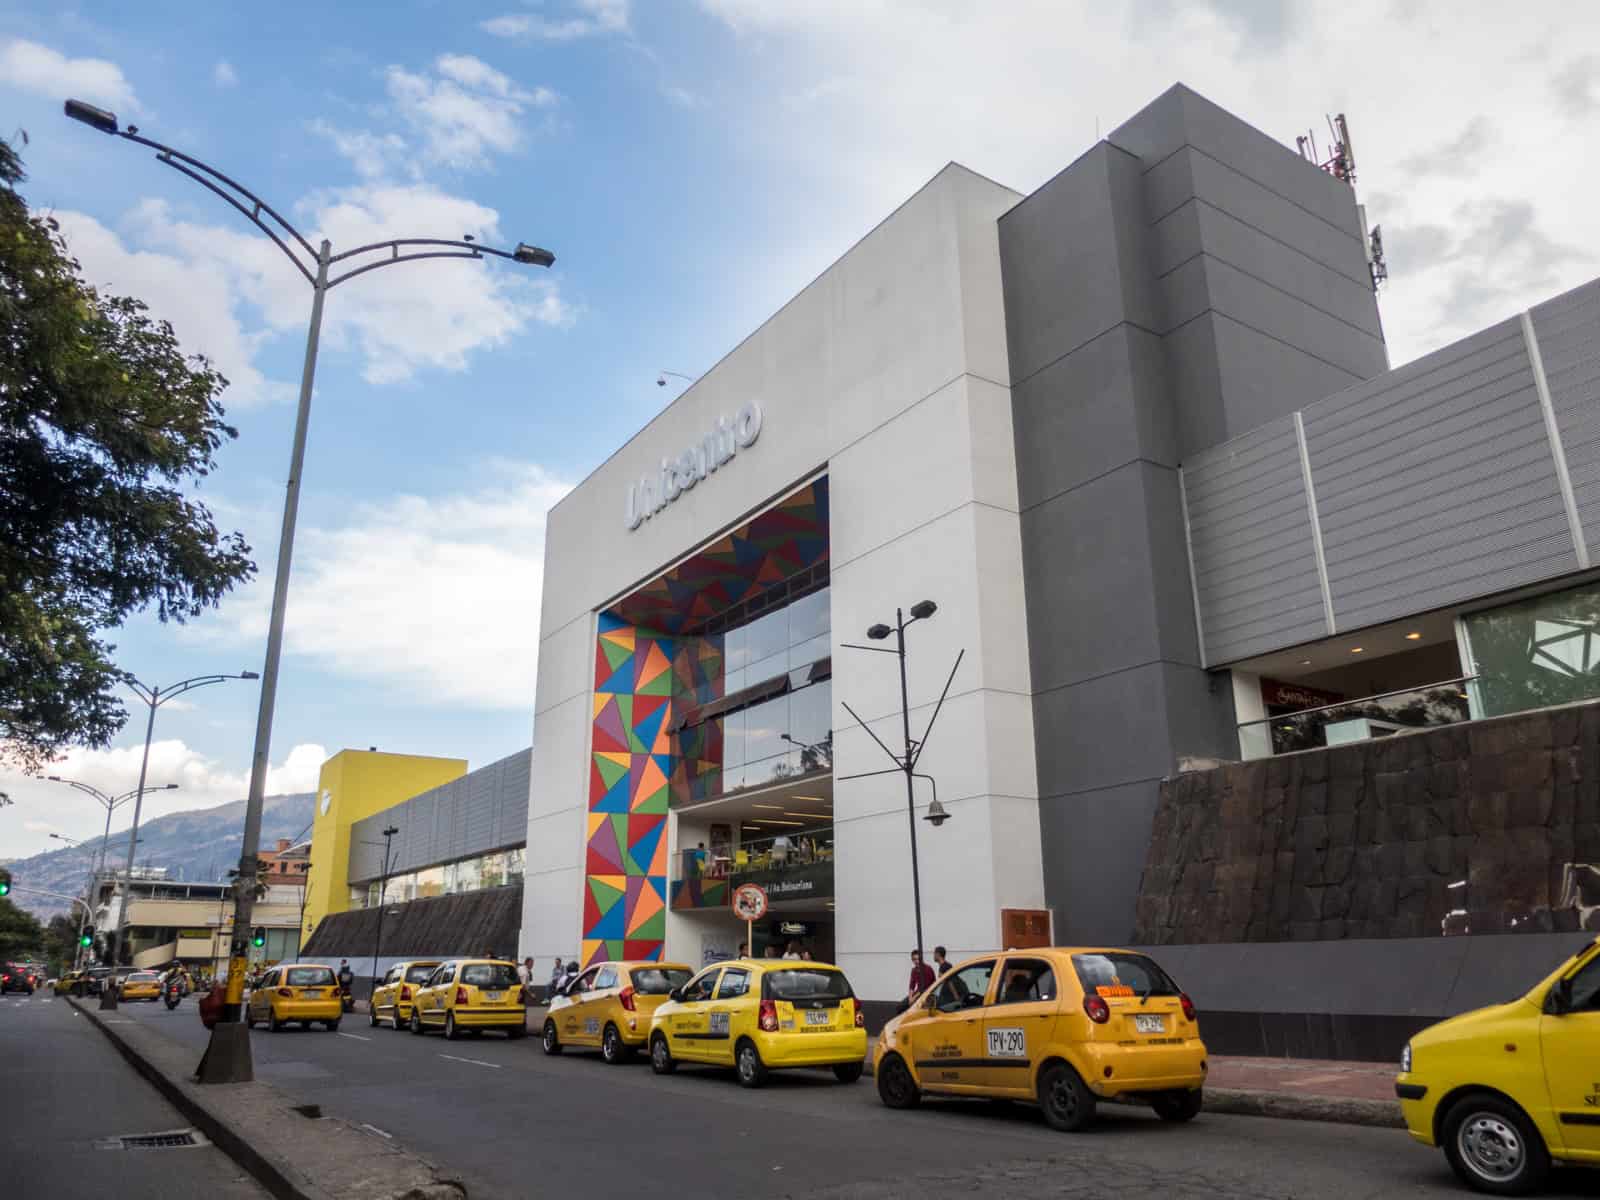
(1341, 164)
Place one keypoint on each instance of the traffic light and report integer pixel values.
(86, 940)
(258, 937)
(5, 883)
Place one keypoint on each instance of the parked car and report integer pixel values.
(303, 992)
(391, 999)
(15, 977)
(610, 1005)
(470, 994)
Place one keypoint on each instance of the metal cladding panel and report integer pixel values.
(1568, 329)
(511, 827)
(480, 798)
(453, 819)
(1435, 483)
(1255, 566)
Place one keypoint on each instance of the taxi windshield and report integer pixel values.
(142, 977)
(802, 983)
(1121, 974)
(309, 977)
(489, 975)
(420, 974)
(658, 981)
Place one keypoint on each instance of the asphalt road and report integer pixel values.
(65, 1087)
(513, 1122)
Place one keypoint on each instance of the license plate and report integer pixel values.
(1007, 1043)
(492, 997)
(818, 1016)
(1149, 1024)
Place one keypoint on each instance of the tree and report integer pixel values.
(60, 942)
(104, 424)
(20, 933)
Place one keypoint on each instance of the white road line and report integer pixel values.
(376, 1130)
(477, 1062)
(356, 1036)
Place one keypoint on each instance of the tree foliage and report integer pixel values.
(20, 932)
(104, 424)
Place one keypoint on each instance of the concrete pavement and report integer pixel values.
(64, 1089)
(508, 1121)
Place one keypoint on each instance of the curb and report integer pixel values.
(279, 1176)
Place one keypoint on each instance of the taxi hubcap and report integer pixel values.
(1062, 1096)
(1491, 1147)
(747, 1062)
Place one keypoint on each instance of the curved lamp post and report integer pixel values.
(227, 1058)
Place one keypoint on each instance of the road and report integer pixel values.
(512, 1122)
(65, 1087)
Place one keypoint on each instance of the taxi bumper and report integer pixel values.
(822, 1049)
(489, 1018)
(1417, 1103)
(141, 991)
(1119, 1071)
(308, 1010)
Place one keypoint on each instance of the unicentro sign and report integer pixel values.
(677, 475)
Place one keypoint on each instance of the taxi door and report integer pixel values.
(1018, 1023)
(597, 1004)
(689, 1027)
(578, 1016)
(431, 1000)
(943, 1037)
(723, 1013)
(261, 995)
(1570, 1041)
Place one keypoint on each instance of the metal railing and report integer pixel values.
(780, 852)
(1447, 702)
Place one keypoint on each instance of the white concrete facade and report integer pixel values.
(890, 374)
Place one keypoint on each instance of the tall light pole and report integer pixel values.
(153, 698)
(906, 763)
(300, 930)
(110, 804)
(383, 900)
(227, 1057)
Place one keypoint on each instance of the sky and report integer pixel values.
(692, 164)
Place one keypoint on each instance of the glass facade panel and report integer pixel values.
(1535, 653)
(808, 617)
(768, 635)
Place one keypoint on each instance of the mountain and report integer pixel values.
(201, 844)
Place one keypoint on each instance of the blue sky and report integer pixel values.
(692, 165)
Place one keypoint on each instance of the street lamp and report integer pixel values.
(906, 763)
(231, 1063)
(305, 882)
(383, 902)
(661, 377)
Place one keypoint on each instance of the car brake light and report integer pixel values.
(1099, 1011)
(405, 992)
(461, 995)
(626, 1000)
(769, 1016)
(288, 992)
(1188, 1006)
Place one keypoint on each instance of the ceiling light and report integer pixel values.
(751, 828)
(773, 807)
(1356, 649)
(1413, 636)
(1305, 662)
(775, 821)
(813, 816)
(818, 799)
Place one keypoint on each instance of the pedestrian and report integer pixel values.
(941, 963)
(743, 950)
(771, 951)
(555, 978)
(805, 956)
(700, 860)
(921, 977)
(793, 952)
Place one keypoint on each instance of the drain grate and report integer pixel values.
(177, 1139)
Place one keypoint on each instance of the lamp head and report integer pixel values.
(535, 256)
(661, 381)
(97, 118)
(879, 631)
(249, 675)
(923, 609)
(936, 815)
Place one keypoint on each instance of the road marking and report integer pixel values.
(356, 1036)
(477, 1062)
(376, 1130)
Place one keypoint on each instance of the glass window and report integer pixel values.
(516, 864)
(733, 740)
(607, 978)
(964, 989)
(811, 713)
(767, 636)
(735, 681)
(766, 668)
(658, 981)
(804, 983)
(1118, 974)
(489, 975)
(700, 987)
(468, 875)
(766, 723)
(1025, 980)
(1536, 652)
(735, 651)
(808, 617)
(442, 974)
(309, 977)
(735, 982)
(430, 882)
(419, 974)
(803, 655)
(1585, 986)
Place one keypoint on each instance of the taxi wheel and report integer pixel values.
(333, 1026)
(395, 1022)
(273, 1024)
(661, 1060)
(1066, 1103)
(552, 1043)
(372, 1016)
(249, 1021)
(1493, 1146)
(896, 1088)
(747, 1064)
(517, 1031)
(416, 1023)
(612, 1048)
(451, 1033)
(848, 1072)
(1182, 1105)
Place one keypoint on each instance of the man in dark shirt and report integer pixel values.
(941, 963)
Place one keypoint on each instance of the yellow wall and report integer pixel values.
(355, 784)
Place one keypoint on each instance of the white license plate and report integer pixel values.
(1007, 1043)
(492, 997)
(818, 1016)
(1149, 1024)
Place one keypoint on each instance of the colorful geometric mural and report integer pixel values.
(789, 537)
(625, 885)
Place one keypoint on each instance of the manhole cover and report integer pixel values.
(178, 1139)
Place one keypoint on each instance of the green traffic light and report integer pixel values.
(5, 886)
(86, 940)
(259, 938)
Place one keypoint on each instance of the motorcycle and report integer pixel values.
(346, 1000)
(172, 994)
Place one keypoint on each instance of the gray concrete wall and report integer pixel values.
(1182, 282)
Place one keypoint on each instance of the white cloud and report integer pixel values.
(31, 67)
(466, 111)
(589, 18)
(864, 102)
(203, 782)
(373, 155)
(223, 74)
(437, 595)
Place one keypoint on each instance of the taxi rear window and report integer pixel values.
(143, 977)
(309, 977)
(658, 981)
(489, 975)
(799, 983)
(1121, 974)
(420, 974)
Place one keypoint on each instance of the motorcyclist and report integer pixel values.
(347, 981)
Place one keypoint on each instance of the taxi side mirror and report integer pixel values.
(675, 995)
(1560, 999)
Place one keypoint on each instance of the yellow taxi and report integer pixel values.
(392, 997)
(141, 985)
(760, 1015)
(1062, 1027)
(304, 992)
(470, 994)
(610, 1006)
(1507, 1089)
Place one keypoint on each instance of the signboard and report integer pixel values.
(1024, 928)
(202, 934)
(806, 882)
(680, 472)
(1277, 694)
(749, 902)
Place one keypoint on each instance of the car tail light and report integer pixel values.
(1188, 1006)
(405, 992)
(861, 1018)
(1098, 1010)
(769, 1016)
(626, 1000)
(286, 992)
(461, 996)
(5, 979)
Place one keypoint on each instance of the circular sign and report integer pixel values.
(749, 902)
(327, 799)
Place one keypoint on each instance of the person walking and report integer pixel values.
(921, 977)
(793, 952)
(556, 973)
(941, 962)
